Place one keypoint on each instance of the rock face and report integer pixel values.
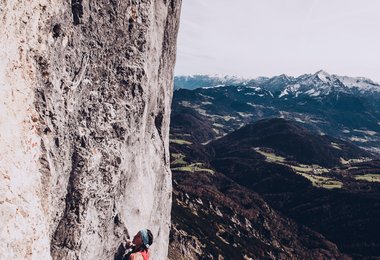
(85, 101)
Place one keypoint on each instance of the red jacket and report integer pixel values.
(142, 255)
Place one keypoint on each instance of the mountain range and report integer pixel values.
(321, 79)
(340, 106)
(275, 168)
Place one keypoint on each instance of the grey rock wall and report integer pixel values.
(86, 89)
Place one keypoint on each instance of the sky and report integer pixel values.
(251, 38)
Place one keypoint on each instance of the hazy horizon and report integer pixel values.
(251, 38)
(255, 77)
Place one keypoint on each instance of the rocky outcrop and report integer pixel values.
(84, 113)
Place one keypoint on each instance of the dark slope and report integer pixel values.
(187, 123)
(290, 140)
(213, 216)
(327, 107)
(341, 201)
(346, 216)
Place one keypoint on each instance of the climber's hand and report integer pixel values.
(128, 244)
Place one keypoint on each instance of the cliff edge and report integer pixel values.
(85, 91)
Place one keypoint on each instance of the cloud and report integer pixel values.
(254, 38)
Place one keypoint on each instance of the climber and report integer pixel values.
(138, 249)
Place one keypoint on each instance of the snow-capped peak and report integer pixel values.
(320, 82)
(323, 76)
(360, 83)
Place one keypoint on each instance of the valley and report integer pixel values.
(314, 172)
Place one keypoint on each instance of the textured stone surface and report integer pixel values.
(85, 100)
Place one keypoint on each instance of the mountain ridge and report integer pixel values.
(321, 78)
(317, 100)
(305, 191)
(261, 134)
(291, 139)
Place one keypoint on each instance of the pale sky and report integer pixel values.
(252, 38)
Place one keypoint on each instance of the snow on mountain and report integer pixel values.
(217, 86)
(360, 83)
(319, 84)
(290, 89)
(206, 81)
(348, 84)
(284, 93)
(315, 85)
(323, 76)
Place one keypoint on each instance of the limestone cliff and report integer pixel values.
(85, 90)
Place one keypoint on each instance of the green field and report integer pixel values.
(332, 185)
(311, 172)
(194, 167)
(322, 182)
(368, 177)
(314, 169)
(270, 157)
(178, 158)
(180, 141)
(343, 161)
